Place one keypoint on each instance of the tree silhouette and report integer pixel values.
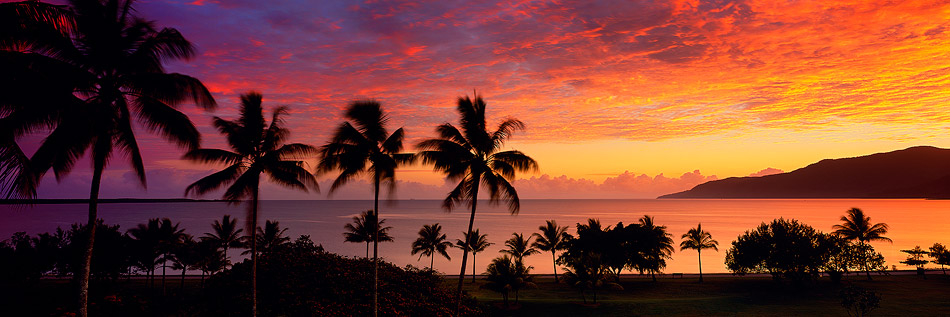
(258, 148)
(270, 237)
(226, 234)
(857, 226)
(658, 246)
(940, 255)
(507, 275)
(519, 247)
(915, 257)
(697, 239)
(472, 157)
(552, 239)
(362, 230)
(474, 242)
(85, 71)
(431, 240)
(365, 141)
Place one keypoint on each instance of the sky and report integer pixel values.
(625, 99)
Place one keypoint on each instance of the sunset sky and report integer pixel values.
(622, 100)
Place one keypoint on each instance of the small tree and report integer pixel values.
(858, 301)
(940, 255)
(915, 257)
(507, 275)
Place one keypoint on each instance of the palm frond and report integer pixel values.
(216, 156)
(172, 124)
(214, 181)
(369, 118)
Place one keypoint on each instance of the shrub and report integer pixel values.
(301, 279)
(783, 248)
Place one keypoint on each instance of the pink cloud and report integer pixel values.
(766, 172)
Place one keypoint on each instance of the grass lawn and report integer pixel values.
(725, 295)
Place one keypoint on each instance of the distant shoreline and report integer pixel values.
(63, 201)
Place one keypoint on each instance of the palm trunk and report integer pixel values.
(86, 266)
(254, 207)
(376, 245)
(182, 287)
(431, 261)
(471, 221)
(367, 250)
(473, 267)
(867, 266)
(164, 262)
(700, 256)
(554, 260)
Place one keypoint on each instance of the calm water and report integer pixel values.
(912, 222)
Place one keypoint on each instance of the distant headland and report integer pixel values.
(916, 172)
(104, 201)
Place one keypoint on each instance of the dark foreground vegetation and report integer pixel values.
(296, 278)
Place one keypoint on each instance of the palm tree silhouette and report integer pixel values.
(226, 234)
(471, 156)
(269, 237)
(431, 240)
(552, 238)
(362, 230)
(147, 243)
(361, 142)
(506, 275)
(474, 242)
(99, 66)
(258, 148)
(169, 236)
(519, 247)
(185, 256)
(659, 245)
(697, 239)
(857, 226)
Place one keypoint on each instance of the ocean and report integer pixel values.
(912, 222)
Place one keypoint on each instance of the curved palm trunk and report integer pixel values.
(431, 260)
(699, 253)
(376, 246)
(471, 221)
(554, 260)
(254, 207)
(182, 286)
(86, 266)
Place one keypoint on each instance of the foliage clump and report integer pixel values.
(784, 248)
(301, 279)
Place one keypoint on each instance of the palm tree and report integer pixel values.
(552, 238)
(226, 234)
(472, 157)
(659, 246)
(147, 246)
(857, 226)
(185, 256)
(519, 247)
(100, 66)
(697, 239)
(361, 142)
(258, 148)
(169, 236)
(474, 242)
(505, 275)
(431, 240)
(271, 236)
(362, 230)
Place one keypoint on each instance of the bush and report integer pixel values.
(301, 279)
(783, 248)
(858, 301)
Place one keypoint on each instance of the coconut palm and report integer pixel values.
(519, 247)
(362, 230)
(226, 234)
(365, 147)
(95, 65)
(552, 239)
(475, 243)
(270, 237)
(506, 275)
(185, 256)
(169, 236)
(146, 241)
(658, 246)
(472, 156)
(697, 239)
(258, 148)
(857, 226)
(431, 240)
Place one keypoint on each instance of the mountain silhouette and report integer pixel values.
(916, 172)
